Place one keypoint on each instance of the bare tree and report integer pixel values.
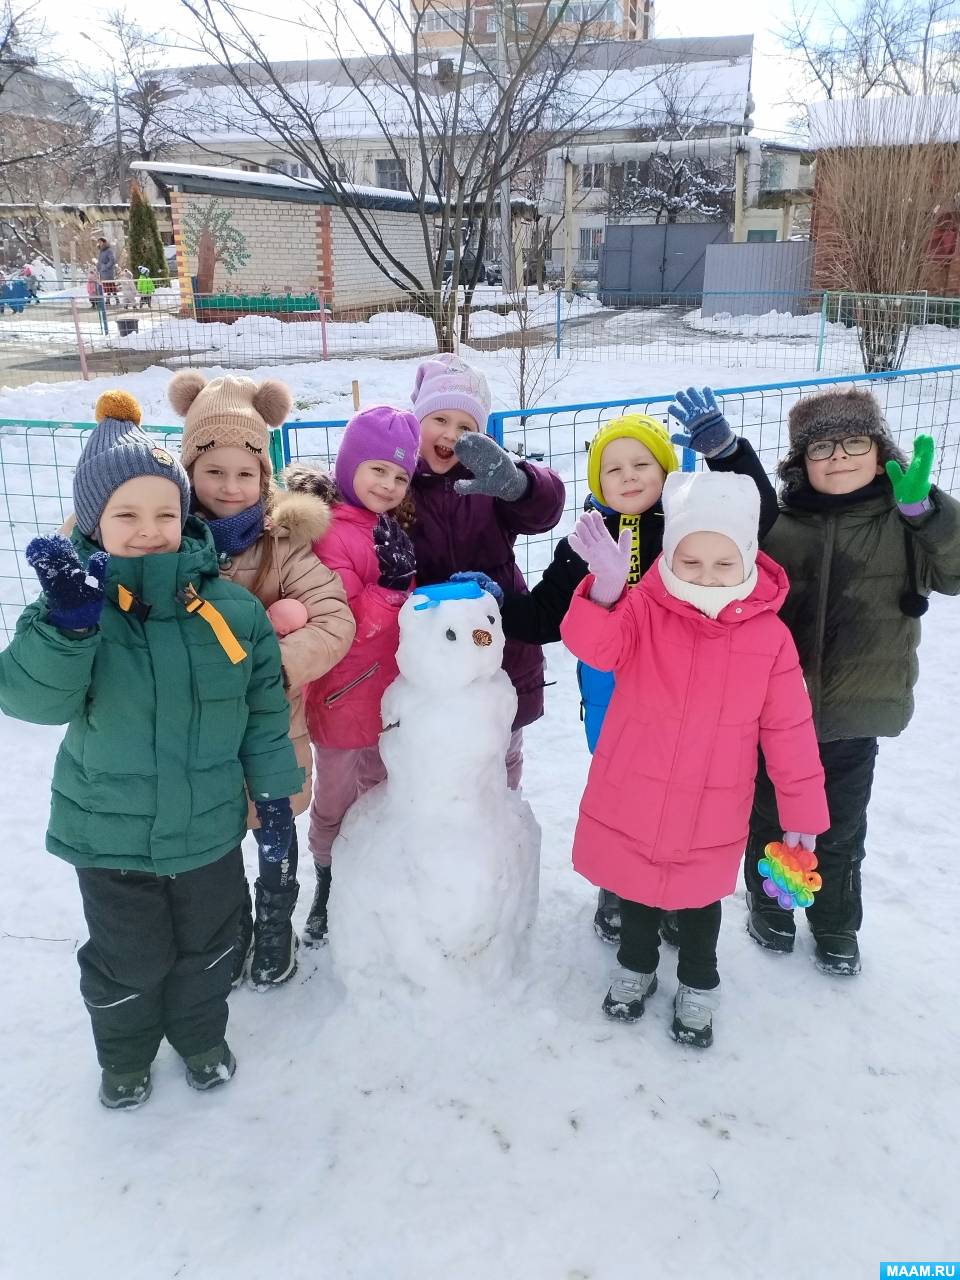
(888, 174)
(881, 46)
(455, 127)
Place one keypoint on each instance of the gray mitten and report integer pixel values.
(494, 471)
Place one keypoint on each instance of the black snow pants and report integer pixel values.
(838, 906)
(159, 959)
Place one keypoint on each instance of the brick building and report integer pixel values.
(276, 235)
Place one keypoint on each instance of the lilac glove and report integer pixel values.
(74, 593)
(793, 838)
(608, 561)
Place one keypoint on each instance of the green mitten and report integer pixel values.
(912, 487)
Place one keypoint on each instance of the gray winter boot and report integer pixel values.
(628, 994)
(693, 1015)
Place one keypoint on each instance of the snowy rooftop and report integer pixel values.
(883, 122)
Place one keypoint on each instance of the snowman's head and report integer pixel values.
(450, 635)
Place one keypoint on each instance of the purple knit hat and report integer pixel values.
(445, 382)
(381, 433)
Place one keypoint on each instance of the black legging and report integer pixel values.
(699, 929)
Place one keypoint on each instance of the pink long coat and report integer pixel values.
(665, 814)
(343, 708)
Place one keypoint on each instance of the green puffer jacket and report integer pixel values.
(848, 569)
(162, 728)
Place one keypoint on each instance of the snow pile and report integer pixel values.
(436, 870)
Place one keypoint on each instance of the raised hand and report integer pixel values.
(494, 471)
(707, 430)
(74, 594)
(395, 555)
(911, 488)
(608, 561)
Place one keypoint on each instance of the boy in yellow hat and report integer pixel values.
(628, 461)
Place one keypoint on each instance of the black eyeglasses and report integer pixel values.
(853, 446)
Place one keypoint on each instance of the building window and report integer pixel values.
(582, 11)
(249, 168)
(293, 168)
(444, 20)
(761, 237)
(771, 173)
(591, 238)
(392, 174)
(592, 177)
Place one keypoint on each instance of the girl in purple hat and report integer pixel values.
(473, 500)
(367, 546)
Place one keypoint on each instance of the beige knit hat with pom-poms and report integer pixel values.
(228, 413)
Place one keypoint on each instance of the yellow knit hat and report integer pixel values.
(635, 426)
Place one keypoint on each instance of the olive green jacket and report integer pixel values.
(848, 570)
(162, 728)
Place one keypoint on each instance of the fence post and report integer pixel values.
(689, 460)
(823, 328)
(559, 326)
(81, 350)
(277, 459)
(323, 325)
(495, 427)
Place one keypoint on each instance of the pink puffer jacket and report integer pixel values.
(343, 708)
(665, 813)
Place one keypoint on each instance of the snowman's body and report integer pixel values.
(436, 870)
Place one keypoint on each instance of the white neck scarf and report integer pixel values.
(709, 600)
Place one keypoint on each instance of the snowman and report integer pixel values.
(437, 869)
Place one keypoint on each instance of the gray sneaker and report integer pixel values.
(693, 1016)
(628, 994)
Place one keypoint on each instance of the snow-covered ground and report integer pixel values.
(525, 1135)
(522, 1136)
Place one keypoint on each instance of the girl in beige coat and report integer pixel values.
(264, 538)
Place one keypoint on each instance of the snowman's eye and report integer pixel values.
(451, 635)
(492, 621)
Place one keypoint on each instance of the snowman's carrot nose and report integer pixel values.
(482, 638)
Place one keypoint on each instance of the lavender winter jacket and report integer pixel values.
(455, 534)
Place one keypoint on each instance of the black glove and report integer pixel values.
(276, 828)
(74, 594)
(494, 472)
(395, 555)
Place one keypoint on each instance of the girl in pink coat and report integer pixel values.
(374, 557)
(705, 671)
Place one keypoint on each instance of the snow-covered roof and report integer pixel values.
(216, 179)
(883, 122)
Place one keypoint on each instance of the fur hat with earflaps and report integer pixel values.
(834, 415)
(228, 413)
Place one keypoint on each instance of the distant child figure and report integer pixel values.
(168, 679)
(94, 292)
(864, 538)
(128, 290)
(264, 539)
(146, 288)
(627, 464)
(473, 500)
(374, 557)
(704, 671)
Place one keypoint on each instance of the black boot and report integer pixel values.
(838, 953)
(315, 930)
(768, 924)
(606, 920)
(274, 941)
(244, 938)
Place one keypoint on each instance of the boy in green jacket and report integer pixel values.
(864, 539)
(168, 679)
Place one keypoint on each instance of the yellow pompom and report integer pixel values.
(120, 405)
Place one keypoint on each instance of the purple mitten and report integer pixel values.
(608, 561)
(793, 838)
(74, 593)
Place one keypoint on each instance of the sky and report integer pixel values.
(773, 70)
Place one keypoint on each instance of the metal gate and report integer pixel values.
(664, 259)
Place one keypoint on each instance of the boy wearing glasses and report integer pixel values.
(864, 538)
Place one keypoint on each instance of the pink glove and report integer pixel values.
(608, 561)
(793, 838)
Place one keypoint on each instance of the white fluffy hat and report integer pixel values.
(714, 501)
